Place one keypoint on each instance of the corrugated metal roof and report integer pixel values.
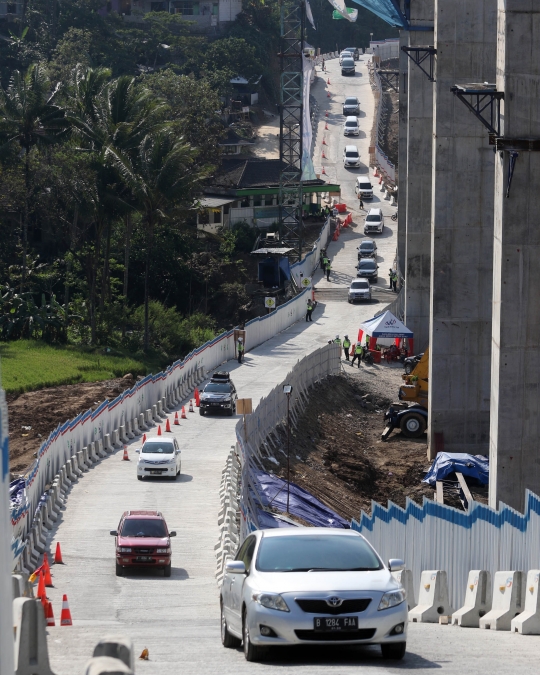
(275, 251)
(214, 202)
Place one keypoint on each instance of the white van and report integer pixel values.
(351, 156)
(363, 187)
(374, 222)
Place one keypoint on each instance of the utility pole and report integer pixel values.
(293, 13)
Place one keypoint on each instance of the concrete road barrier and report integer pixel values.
(142, 422)
(105, 665)
(477, 600)
(433, 599)
(122, 434)
(155, 414)
(405, 578)
(528, 622)
(148, 418)
(75, 469)
(117, 648)
(31, 654)
(508, 600)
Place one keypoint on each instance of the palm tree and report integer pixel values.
(30, 117)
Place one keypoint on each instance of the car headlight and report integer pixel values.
(392, 599)
(163, 550)
(271, 601)
(124, 549)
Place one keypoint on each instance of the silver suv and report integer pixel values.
(350, 126)
(374, 222)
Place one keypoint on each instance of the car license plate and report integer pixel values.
(156, 472)
(144, 558)
(334, 623)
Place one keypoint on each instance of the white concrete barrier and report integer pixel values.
(528, 622)
(105, 665)
(122, 434)
(142, 422)
(31, 654)
(508, 598)
(148, 419)
(477, 600)
(405, 578)
(116, 648)
(75, 469)
(433, 599)
(155, 414)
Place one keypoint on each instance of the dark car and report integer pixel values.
(219, 395)
(143, 540)
(351, 106)
(367, 269)
(347, 66)
(367, 249)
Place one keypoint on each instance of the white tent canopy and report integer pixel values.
(386, 325)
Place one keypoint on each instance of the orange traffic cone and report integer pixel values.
(41, 593)
(328, 95)
(49, 615)
(176, 420)
(376, 173)
(324, 141)
(326, 126)
(323, 172)
(168, 426)
(144, 438)
(197, 398)
(191, 405)
(184, 416)
(58, 555)
(159, 430)
(323, 155)
(328, 81)
(47, 570)
(326, 114)
(65, 617)
(125, 458)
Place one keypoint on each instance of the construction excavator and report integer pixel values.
(410, 414)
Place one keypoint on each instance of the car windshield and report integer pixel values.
(367, 246)
(373, 219)
(144, 527)
(217, 388)
(365, 186)
(359, 284)
(366, 264)
(351, 101)
(352, 123)
(161, 448)
(351, 153)
(348, 61)
(317, 553)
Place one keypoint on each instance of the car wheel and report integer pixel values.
(201, 412)
(167, 570)
(227, 640)
(408, 368)
(119, 570)
(412, 425)
(139, 477)
(394, 651)
(251, 651)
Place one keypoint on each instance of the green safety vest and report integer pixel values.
(337, 341)
(347, 343)
(240, 347)
(358, 348)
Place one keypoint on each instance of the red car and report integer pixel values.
(143, 540)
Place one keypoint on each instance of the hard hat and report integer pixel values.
(337, 337)
(346, 336)
(240, 339)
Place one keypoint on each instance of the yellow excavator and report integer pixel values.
(411, 419)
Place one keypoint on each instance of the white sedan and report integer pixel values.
(159, 456)
(311, 586)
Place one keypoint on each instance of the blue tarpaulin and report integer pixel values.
(475, 466)
(273, 492)
(387, 10)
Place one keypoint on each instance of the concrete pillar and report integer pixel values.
(402, 151)
(418, 169)
(515, 366)
(462, 232)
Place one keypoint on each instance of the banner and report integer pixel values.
(339, 5)
(308, 171)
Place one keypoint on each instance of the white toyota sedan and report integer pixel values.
(311, 586)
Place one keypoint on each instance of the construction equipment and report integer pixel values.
(411, 419)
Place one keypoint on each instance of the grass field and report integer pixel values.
(26, 365)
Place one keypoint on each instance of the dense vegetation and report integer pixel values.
(109, 129)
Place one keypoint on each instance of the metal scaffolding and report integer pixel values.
(291, 124)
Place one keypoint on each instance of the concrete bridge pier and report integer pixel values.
(462, 232)
(515, 365)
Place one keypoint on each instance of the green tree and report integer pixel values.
(30, 116)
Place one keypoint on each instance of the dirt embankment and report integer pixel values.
(337, 453)
(33, 415)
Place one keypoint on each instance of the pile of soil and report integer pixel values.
(337, 453)
(46, 409)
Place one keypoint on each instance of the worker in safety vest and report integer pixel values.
(309, 310)
(346, 346)
(240, 349)
(358, 351)
(328, 269)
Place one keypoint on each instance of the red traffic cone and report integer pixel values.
(197, 398)
(375, 173)
(326, 126)
(144, 438)
(58, 555)
(328, 94)
(159, 430)
(324, 141)
(47, 571)
(49, 615)
(326, 114)
(65, 617)
(125, 458)
(184, 416)
(41, 593)
(168, 426)
(191, 405)
(323, 155)
(328, 81)
(323, 172)
(176, 420)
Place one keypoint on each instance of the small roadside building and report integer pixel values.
(247, 189)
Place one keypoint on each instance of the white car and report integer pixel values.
(351, 156)
(159, 456)
(374, 222)
(312, 585)
(359, 290)
(350, 126)
(344, 55)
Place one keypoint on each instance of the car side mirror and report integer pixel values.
(113, 533)
(396, 564)
(235, 567)
(172, 534)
